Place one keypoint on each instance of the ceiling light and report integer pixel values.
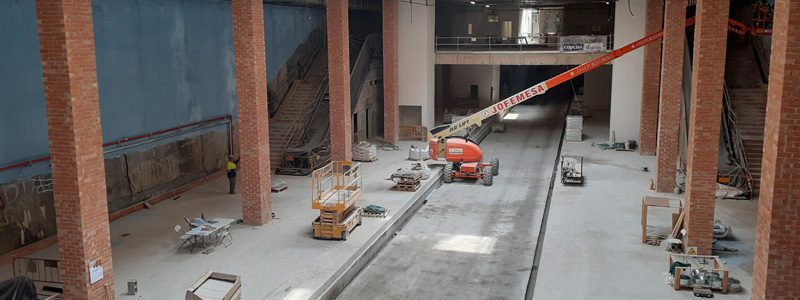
(487, 5)
(472, 2)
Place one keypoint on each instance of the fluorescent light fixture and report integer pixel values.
(487, 5)
(472, 2)
(511, 116)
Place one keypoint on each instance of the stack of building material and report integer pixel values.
(418, 153)
(407, 180)
(364, 151)
(574, 132)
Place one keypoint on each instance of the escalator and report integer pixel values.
(309, 149)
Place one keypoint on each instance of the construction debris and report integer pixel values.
(364, 151)
(499, 127)
(278, 185)
(571, 169)
(728, 192)
(375, 211)
(722, 231)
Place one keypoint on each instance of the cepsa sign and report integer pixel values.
(519, 97)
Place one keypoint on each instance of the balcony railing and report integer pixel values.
(541, 43)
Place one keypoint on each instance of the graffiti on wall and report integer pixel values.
(26, 211)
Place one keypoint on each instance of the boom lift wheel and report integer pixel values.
(488, 175)
(447, 175)
(495, 166)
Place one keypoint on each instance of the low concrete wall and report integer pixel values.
(27, 212)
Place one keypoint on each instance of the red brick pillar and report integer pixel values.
(251, 94)
(776, 270)
(651, 79)
(391, 119)
(66, 40)
(710, 44)
(669, 107)
(339, 79)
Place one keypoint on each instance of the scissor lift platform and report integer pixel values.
(335, 189)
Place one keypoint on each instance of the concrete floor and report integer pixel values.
(592, 247)
(471, 241)
(280, 260)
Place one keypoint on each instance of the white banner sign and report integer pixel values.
(583, 43)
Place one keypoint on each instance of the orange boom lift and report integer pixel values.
(465, 158)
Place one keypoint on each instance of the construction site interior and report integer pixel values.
(399, 149)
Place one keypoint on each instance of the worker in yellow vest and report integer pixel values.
(231, 167)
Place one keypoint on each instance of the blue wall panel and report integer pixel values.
(23, 129)
(160, 64)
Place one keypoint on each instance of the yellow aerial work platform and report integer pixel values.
(335, 188)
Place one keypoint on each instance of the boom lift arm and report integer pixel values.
(465, 158)
(441, 133)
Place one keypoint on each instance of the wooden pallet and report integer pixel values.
(407, 187)
(374, 215)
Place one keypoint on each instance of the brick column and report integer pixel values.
(251, 94)
(66, 40)
(339, 79)
(777, 256)
(669, 107)
(651, 77)
(710, 44)
(391, 119)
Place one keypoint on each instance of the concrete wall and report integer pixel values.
(370, 104)
(626, 78)
(597, 89)
(486, 77)
(416, 58)
(27, 213)
(579, 19)
(286, 27)
(453, 21)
